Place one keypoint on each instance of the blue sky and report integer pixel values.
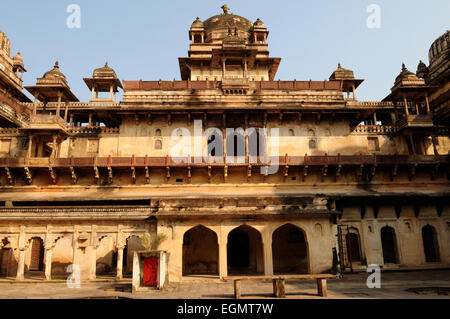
(143, 39)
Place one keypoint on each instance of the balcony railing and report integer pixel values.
(190, 161)
(374, 129)
(415, 120)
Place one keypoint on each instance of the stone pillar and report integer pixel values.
(268, 259)
(245, 68)
(66, 110)
(223, 264)
(119, 262)
(30, 141)
(354, 94)
(21, 264)
(93, 267)
(110, 91)
(223, 68)
(54, 155)
(35, 106)
(406, 105)
(48, 263)
(427, 103)
(92, 93)
(58, 106)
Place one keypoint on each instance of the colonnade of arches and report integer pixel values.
(389, 245)
(245, 251)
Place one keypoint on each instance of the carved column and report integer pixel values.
(223, 265)
(119, 262)
(22, 247)
(93, 267)
(48, 263)
(268, 259)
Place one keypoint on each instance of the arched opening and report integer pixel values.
(289, 250)
(200, 252)
(197, 38)
(6, 257)
(133, 244)
(430, 244)
(353, 248)
(106, 258)
(244, 251)
(256, 144)
(215, 143)
(235, 144)
(37, 254)
(389, 245)
(62, 256)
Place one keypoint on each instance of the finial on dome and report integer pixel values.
(403, 67)
(106, 64)
(225, 9)
(339, 65)
(56, 65)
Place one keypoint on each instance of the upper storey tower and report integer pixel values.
(228, 48)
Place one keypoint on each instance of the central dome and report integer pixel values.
(217, 27)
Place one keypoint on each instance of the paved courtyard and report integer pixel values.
(393, 285)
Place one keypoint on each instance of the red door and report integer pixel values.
(150, 271)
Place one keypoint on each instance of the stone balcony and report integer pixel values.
(47, 122)
(415, 121)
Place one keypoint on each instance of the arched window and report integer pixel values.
(312, 144)
(430, 244)
(158, 145)
(389, 245)
(197, 38)
(158, 132)
(291, 132)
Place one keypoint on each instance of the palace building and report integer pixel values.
(284, 176)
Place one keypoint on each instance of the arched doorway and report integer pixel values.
(106, 259)
(353, 248)
(200, 252)
(62, 256)
(133, 244)
(244, 251)
(37, 254)
(289, 250)
(430, 244)
(389, 245)
(6, 255)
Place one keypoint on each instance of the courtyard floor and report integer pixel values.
(394, 285)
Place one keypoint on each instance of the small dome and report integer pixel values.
(422, 69)
(18, 62)
(55, 73)
(259, 24)
(18, 57)
(406, 75)
(197, 24)
(104, 72)
(217, 26)
(342, 74)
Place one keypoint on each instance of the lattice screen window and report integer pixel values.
(373, 144)
(5, 145)
(92, 146)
